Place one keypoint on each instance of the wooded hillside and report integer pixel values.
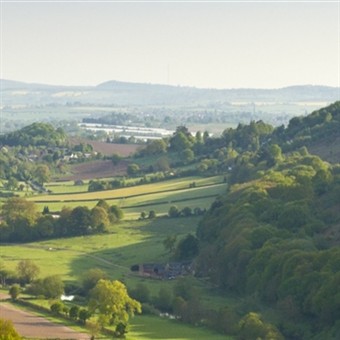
(274, 237)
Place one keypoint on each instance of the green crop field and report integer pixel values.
(155, 328)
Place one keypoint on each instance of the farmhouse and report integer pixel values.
(166, 271)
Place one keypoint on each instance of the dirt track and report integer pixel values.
(30, 325)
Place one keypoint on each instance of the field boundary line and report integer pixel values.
(127, 196)
(168, 202)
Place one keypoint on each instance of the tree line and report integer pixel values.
(21, 222)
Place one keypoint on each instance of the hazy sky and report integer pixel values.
(202, 44)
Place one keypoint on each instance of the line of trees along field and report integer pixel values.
(273, 239)
(22, 222)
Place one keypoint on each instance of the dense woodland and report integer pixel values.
(274, 237)
(272, 240)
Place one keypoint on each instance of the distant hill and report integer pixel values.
(125, 93)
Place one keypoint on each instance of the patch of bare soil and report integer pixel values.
(107, 149)
(30, 325)
(96, 169)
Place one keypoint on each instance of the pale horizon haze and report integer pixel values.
(200, 44)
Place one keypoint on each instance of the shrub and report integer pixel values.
(14, 291)
(57, 307)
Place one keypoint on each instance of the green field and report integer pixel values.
(150, 327)
(173, 184)
(66, 187)
(127, 243)
(156, 196)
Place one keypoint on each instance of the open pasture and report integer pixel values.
(66, 187)
(173, 184)
(127, 243)
(143, 198)
(155, 328)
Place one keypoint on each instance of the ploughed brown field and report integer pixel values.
(32, 326)
(107, 149)
(96, 169)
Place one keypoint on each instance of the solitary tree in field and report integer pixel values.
(112, 302)
(27, 270)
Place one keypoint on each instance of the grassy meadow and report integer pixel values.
(172, 184)
(154, 328)
(155, 196)
(127, 243)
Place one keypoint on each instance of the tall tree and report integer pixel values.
(17, 208)
(42, 174)
(111, 300)
(27, 270)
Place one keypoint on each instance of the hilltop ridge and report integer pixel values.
(123, 93)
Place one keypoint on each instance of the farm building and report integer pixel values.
(166, 271)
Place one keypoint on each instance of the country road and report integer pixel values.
(28, 324)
